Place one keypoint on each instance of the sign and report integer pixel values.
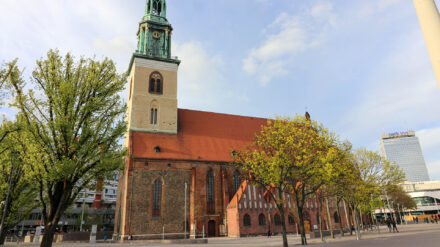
(37, 235)
(93, 234)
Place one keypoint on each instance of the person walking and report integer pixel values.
(393, 222)
(269, 233)
(388, 221)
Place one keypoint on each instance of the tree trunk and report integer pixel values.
(339, 217)
(49, 231)
(356, 221)
(283, 226)
(320, 220)
(3, 236)
(362, 221)
(283, 220)
(301, 224)
(348, 217)
(56, 210)
(329, 218)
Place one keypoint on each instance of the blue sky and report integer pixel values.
(359, 67)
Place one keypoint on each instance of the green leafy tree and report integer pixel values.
(337, 179)
(75, 118)
(288, 156)
(16, 185)
(310, 150)
(374, 175)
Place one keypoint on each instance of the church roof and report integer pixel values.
(204, 136)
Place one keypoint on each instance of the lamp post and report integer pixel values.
(82, 214)
(6, 202)
(185, 210)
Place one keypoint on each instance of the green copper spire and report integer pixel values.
(154, 34)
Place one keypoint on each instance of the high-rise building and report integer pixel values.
(403, 149)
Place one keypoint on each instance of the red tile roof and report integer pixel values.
(204, 136)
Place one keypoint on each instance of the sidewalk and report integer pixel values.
(404, 230)
(262, 241)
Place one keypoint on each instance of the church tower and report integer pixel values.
(152, 96)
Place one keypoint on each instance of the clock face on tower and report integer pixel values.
(156, 34)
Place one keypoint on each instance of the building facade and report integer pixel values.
(92, 206)
(426, 195)
(179, 178)
(403, 149)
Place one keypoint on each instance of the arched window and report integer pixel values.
(210, 191)
(261, 220)
(336, 217)
(157, 197)
(153, 116)
(156, 83)
(236, 181)
(277, 219)
(247, 220)
(306, 216)
(291, 219)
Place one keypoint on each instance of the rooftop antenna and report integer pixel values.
(383, 130)
(406, 126)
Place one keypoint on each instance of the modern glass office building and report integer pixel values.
(403, 149)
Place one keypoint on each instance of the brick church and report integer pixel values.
(178, 176)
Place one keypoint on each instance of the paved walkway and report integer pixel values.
(422, 235)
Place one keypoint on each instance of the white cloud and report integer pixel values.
(118, 48)
(203, 82)
(401, 89)
(293, 34)
(430, 139)
(430, 143)
(434, 169)
(33, 27)
(369, 8)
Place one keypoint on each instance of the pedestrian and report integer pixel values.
(269, 233)
(388, 221)
(417, 220)
(393, 222)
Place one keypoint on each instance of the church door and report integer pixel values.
(307, 226)
(211, 228)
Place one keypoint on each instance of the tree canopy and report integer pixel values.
(75, 118)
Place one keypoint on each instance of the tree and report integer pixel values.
(288, 156)
(310, 148)
(338, 178)
(374, 175)
(75, 118)
(16, 186)
(400, 199)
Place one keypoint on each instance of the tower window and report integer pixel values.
(156, 83)
(157, 197)
(153, 116)
(210, 192)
